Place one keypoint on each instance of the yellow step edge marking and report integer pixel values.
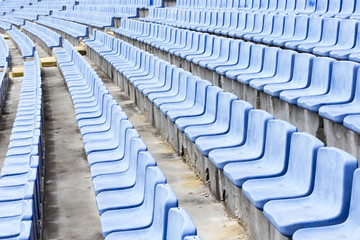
(48, 61)
(16, 72)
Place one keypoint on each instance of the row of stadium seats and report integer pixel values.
(29, 13)
(319, 35)
(73, 29)
(289, 175)
(13, 20)
(5, 25)
(21, 175)
(22, 42)
(314, 83)
(132, 196)
(4, 53)
(93, 19)
(8, 7)
(114, 11)
(344, 8)
(50, 38)
(133, 3)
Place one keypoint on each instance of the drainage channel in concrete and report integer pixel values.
(209, 215)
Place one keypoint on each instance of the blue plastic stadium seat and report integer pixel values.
(279, 28)
(319, 81)
(272, 163)
(146, 180)
(114, 160)
(269, 64)
(353, 122)
(221, 122)
(209, 115)
(236, 134)
(195, 110)
(266, 28)
(284, 69)
(298, 33)
(313, 34)
(241, 59)
(125, 175)
(288, 32)
(251, 149)
(338, 112)
(14, 228)
(298, 179)
(299, 79)
(348, 52)
(341, 88)
(327, 204)
(165, 199)
(346, 230)
(251, 65)
(329, 36)
(179, 224)
(345, 40)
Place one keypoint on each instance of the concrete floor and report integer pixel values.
(69, 207)
(209, 215)
(8, 114)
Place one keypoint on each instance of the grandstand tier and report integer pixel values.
(254, 107)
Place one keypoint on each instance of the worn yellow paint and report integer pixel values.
(17, 72)
(48, 61)
(110, 33)
(81, 49)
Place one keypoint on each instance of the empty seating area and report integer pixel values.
(132, 196)
(197, 119)
(71, 31)
(13, 20)
(43, 35)
(22, 42)
(260, 100)
(21, 175)
(317, 27)
(250, 70)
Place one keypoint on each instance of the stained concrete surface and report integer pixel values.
(209, 215)
(8, 114)
(69, 207)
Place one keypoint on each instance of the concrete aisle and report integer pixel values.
(69, 207)
(209, 215)
(7, 117)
